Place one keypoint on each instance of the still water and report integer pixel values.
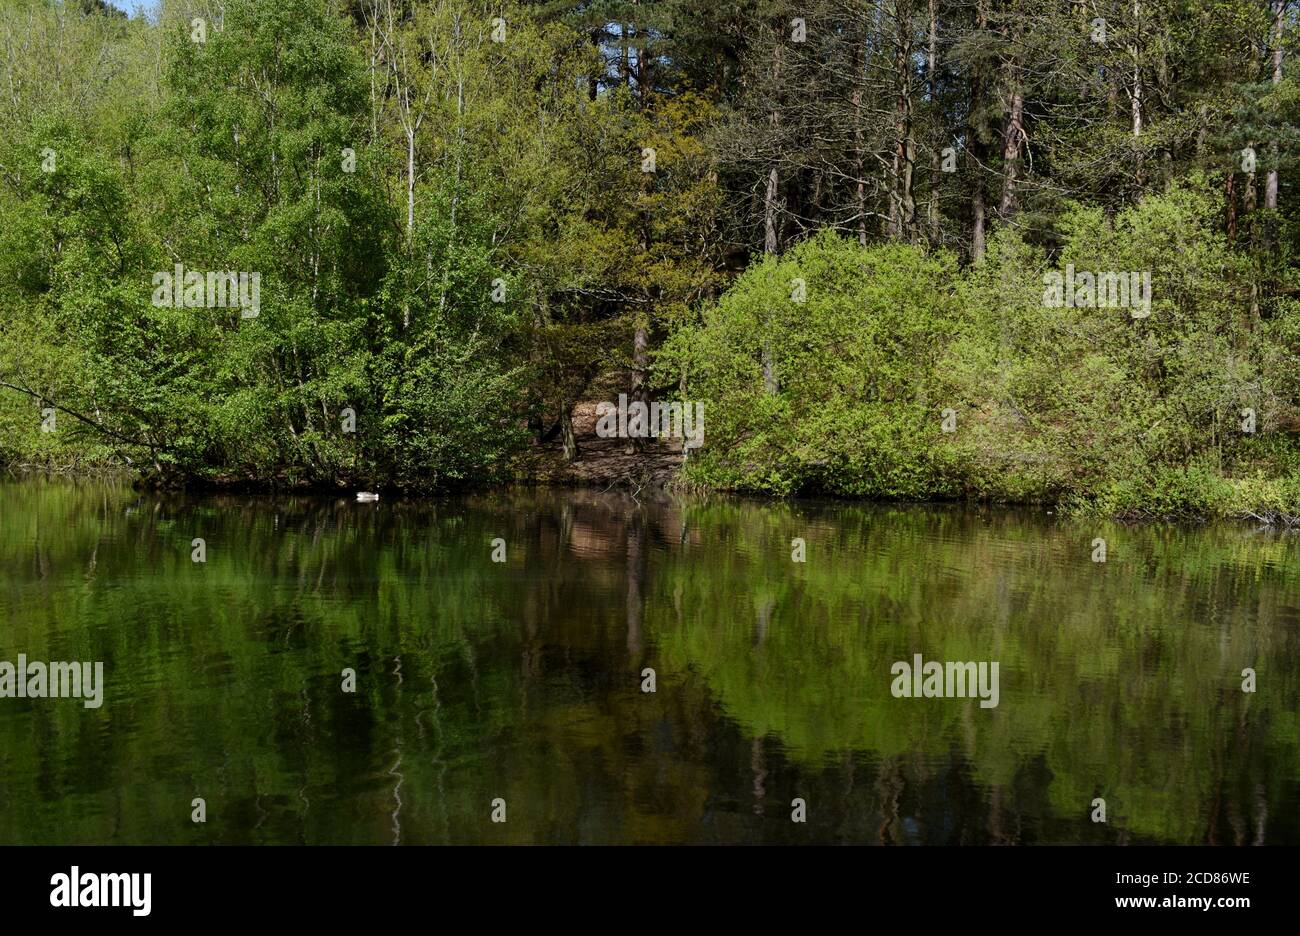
(522, 680)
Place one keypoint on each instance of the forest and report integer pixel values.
(1024, 251)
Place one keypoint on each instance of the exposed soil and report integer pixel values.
(605, 462)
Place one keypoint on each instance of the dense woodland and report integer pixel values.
(828, 221)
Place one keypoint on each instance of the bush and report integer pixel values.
(1138, 415)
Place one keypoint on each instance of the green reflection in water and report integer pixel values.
(522, 680)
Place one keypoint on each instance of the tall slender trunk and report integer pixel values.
(1139, 171)
(930, 67)
(771, 232)
(859, 167)
(1270, 185)
(460, 157)
(771, 237)
(410, 186)
(977, 220)
(641, 330)
(902, 203)
(1013, 137)
(770, 241)
(410, 218)
(374, 92)
(975, 147)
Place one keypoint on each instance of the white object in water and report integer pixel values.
(367, 496)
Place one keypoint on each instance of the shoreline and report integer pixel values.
(652, 482)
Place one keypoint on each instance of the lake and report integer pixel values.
(515, 689)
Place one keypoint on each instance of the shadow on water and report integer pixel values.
(522, 680)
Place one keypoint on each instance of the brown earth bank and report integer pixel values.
(654, 463)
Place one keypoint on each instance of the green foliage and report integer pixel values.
(854, 362)
(457, 241)
(1139, 415)
(237, 163)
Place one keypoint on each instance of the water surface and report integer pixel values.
(523, 680)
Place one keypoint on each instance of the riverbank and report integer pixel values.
(658, 467)
(894, 374)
